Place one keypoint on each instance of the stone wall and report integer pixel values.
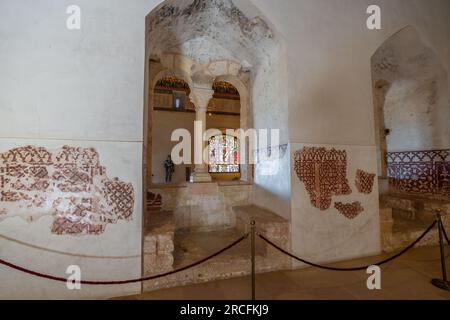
(404, 218)
(204, 206)
(82, 89)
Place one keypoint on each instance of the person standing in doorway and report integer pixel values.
(170, 168)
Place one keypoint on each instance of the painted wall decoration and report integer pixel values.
(420, 172)
(154, 201)
(267, 161)
(364, 181)
(67, 183)
(324, 173)
(266, 154)
(349, 210)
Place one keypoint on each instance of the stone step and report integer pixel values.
(415, 204)
(404, 217)
(419, 209)
(395, 241)
(271, 225)
(159, 243)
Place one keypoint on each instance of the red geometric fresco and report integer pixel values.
(349, 210)
(324, 173)
(364, 181)
(68, 183)
(420, 172)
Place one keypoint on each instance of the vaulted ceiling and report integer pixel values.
(207, 30)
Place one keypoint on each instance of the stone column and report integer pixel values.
(200, 97)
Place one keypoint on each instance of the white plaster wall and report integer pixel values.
(330, 95)
(327, 236)
(85, 84)
(417, 115)
(79, 88)
(113, 255)
(270, 111)
(416, 106)
(272, 189)
(329, 50)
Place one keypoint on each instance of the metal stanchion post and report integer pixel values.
(441, 283)
(253, 246)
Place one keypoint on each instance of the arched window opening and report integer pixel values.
(172, 93)
(223, 154)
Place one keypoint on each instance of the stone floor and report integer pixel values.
(193, 246)
(405, 278)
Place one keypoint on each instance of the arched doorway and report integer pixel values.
(207, 44)
(412, 112)
(411, 102)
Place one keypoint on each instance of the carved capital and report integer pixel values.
(200, 98)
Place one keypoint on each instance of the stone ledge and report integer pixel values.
(276, 228)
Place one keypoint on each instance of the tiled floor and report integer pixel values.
(405, 278)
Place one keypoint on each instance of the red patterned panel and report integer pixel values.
(349, 210)
(420, 172)
(69, 183)
(364, 181)
(324, 173)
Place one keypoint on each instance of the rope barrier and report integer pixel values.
(445, 235)
(355, 268)
(60, 279)
(87, 282)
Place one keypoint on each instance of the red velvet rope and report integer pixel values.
(355, 268)
(60, 279)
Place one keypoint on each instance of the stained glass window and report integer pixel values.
(223, 154)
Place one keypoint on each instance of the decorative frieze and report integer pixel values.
(420, 172)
